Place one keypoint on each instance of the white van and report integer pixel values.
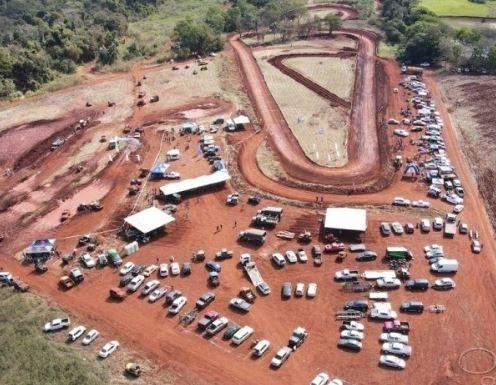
(260, 348)
(241, 335)
(445, 266)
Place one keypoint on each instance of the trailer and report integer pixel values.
(375, 274)
(357, 287)
(251, 270)
(378, 295)
(357, 247)
(449, 229)
(253, 235)
(349, 314)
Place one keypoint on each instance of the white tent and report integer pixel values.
(241, 119)
(215, 178)
(149, 219)
(342, 218)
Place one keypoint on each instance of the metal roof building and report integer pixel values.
(345, 219)
(149, 219)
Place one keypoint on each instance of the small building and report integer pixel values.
(345, 221)
(173, 154)
(158, 170)
(148, 222)
(201, 183)
(237, 123)
(40, 250)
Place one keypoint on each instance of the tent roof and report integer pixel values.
(194, 183)
(159, 168)
(241, 119)
(341, 218)
(149, 219)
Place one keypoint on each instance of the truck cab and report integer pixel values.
(298, 337)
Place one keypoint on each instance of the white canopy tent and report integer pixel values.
(215, 178)
(149, 219)
(346, 219)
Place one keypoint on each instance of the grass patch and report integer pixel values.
(387, 51)
(460, 8)
(29, 357)
(157, 29)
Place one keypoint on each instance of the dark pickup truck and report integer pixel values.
(207, 319)
(396, 326)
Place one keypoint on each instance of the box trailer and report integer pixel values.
(253, 235)
(375, 274)
(398, 252)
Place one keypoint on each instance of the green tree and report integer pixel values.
(195, 38)
(216, 19)
(333, 22)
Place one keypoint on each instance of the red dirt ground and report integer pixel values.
(437, 339)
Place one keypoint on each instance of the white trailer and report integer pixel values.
(253, 273)
(378, 295)
(375, 274)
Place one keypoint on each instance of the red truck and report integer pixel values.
(402, 327)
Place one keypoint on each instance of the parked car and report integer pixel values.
(299, 289)
(172, 175)
(383, 314)
(281, 356)
(421, 204)
(163, 270)
(394, 337)
(388, 283)
(463, 228)
(230, 331)
(398, 201)
(320, 379)
(352, 334)
(359, 305)
(444, 284)
(174, 268)
(385, 228)
(149, 270)
(75, 333)
(213, 266)
(216, 326)
(88, 261)
(125, 279)
(476, 246)
(291, 256)
(409, 228)
(352, 325)
(397, 349)
(349, 343)
(92, 335)
(412, 307)
(240, 304)
(417, 284)
(312, 290)
(205, 300)
(392, 361)
(177, 305)
(263, 288)
(437, 223)
(400, 132)
(157, 294)
(302, 256)
(346, 275)
(260, 348)
(135, 283)
(367, 255)
(278, 259)
(126, 268)
(457, 209)
(316, 251)
(186, 269)
(286, 290)
(108, 349)
(425, 225)
(172, 295)
(149, 287)
(397, 228)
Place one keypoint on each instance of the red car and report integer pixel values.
(334, 247)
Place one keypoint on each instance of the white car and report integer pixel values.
(135, 283)
(75, 333)
(433, 247)
(302, 256)
(88, 261)
(393, 121)
(299, 289)
(320, 379)
(476, 246)
(353, 334)
(174, 268)
(157, 294)
(398, 201)
(126, 268)
(150, 269)
(397, 349)
(425, 225)
(57, 324)
(397, 228)
(353, 325)
(92, 335)
(400, 132)
(421, 204)
(383, 314)
(278, 259)
(312, 290)
(281, 356)
(108, 349)
(392, 361)
(163, 270)
(291, 256)
(149, 287)
(394, 337)
(437, 223)
(177, 305)
(453, 199)
(458, 209)
(444, 284)
(172, 175)
(388, 283)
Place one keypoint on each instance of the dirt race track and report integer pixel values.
(29, 202)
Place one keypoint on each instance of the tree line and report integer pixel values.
(285, 19)
(421, 36)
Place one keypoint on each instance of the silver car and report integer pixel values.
(397, 349)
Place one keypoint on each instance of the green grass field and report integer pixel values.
(30, 357)
(460, 8)
(157, 28)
